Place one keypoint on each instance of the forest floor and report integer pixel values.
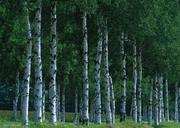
(6, 122)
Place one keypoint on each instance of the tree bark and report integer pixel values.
(53, 64)
(97, 79)
(85, 73)
(134, 103)
(176, 102)
(38, 65)
(160, 99)
(139, 104)
(15, 101)
(124, 78)
(150, 104)
(113, 107)
(106, 76)
(27, 74)
(156, 111)
(167, 101)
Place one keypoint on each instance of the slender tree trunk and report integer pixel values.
(167, 101)
(106, 73)
(85, 73)
(176, 102)
(150, 104)
(156, 115)
(63, 103)
(76, 107)
(43, 101)
(53, 65)
(134, 103)
(15, 101)
(113, 107)
(160, 98)
(27, 74)
(97, 79)
(139, 106)
(38, 65)
(124, 77)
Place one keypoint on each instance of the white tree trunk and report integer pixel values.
(106, 73)
(58, 104)
(124, 78)
(97, 79)
(176, 102)
(85, 73)
(134, 101)
(53, 64)
(156, 111)
(38, 65)
(43, 101)
(160, 99)
(63, 103)
(76, 107)
(150, 104)
(139, 106)
(27, 74)
(167, 101)
(113, 106)
(15, 101)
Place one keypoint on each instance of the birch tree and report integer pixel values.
(124, 78)
(160, 99)
(85, 72)
(27, 73)
(106, 76)
(134, 103)
(113, 106)
(53, 64)
(156, 111)
(167, 101)
(97, 78)
(38, 65)
(139, 106)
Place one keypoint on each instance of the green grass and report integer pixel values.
(6, 122)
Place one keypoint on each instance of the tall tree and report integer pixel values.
(160, 99)
(85, 72)
(106, 74)
(139, 90)
(38, 64)
(167, 101)
(134, 100)
(113, 106)
(156, 111)
(97, 77)
(124, 77)
(176, 102)
(53, 64)
(27, 73)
